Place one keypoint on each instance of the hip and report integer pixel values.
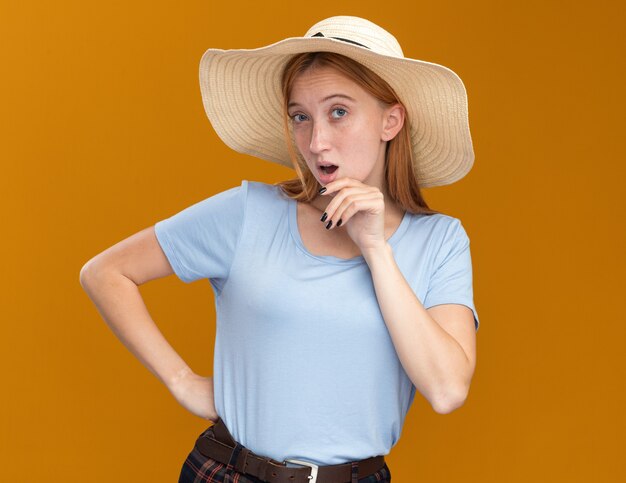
(199, 468)
(217, 457)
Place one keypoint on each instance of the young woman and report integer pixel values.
(339, 294)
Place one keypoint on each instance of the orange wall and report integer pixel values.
(103, 134)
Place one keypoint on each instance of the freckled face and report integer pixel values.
(335, 121)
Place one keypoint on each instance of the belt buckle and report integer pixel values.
(314, 468)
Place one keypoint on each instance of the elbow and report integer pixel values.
(86, 273)
(90, 272)
(450, 401)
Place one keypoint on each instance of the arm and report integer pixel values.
(437, 347)
(111, 280)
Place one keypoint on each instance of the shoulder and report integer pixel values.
(439, 234)
(245, 192)
(262, 187)
(259, 186)
(438, 224)
(263, 193)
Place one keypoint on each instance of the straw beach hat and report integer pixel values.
(242, 95)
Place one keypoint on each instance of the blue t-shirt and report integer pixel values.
(304, 365)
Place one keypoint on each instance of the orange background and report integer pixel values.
(103, 133)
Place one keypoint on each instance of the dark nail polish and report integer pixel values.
(324, 216)
(329, 224)
(339, 222)
(322, 190)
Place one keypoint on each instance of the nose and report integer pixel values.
(319, 138)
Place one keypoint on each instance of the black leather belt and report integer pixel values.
(217, 443)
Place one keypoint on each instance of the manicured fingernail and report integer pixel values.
(339, 222)
(329, 224)
(322, 190)
(324, 216)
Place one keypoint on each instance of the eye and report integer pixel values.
(338, 112)
(298, 118)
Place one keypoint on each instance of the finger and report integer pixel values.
(340, 198)
(356, 204)
(338, 184)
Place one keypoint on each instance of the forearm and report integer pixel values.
(434, 361)
(120, 304)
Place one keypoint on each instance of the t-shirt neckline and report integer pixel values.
(295, 233)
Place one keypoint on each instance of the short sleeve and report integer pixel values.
(201, 240)
(451, 281)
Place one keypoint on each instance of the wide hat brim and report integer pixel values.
(242, 97)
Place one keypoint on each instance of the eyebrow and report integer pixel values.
(327, 98)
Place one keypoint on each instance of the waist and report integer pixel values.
(218, 443)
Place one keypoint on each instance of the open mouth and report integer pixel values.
(328, 169)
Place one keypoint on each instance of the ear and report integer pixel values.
(393, 120)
